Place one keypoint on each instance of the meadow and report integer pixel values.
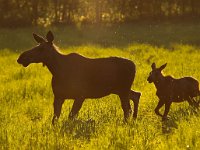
(26, 98)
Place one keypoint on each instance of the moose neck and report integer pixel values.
(52, 61)
(160, 82)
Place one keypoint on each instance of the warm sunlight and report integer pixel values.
(100, 74)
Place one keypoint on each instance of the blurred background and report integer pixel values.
(50, 12)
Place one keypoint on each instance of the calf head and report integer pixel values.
(38, 54)
(156, 73)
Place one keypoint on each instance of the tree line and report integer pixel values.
(46, 12)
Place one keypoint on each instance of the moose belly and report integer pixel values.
(179, 97)
(81, 90)
(178, 100)
(171, 96)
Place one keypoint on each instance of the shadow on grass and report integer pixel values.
(79, 129)
(181, 114)
(168, 126)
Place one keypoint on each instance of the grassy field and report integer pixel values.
(26, 97)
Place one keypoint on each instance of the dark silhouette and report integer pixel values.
(77, 77)
(172, 90)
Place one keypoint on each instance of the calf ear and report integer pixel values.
(50, 37)
(163, 67)
(153, 66)
(38, 38)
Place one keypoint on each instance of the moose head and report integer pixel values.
(155, 74)
(40, 53)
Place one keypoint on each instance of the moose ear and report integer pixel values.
(38, 38)
(153, 66)
(50, 37)
(163, 67)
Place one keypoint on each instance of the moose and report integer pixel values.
(77, 77)
(171, 90)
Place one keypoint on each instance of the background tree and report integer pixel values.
(33, 12)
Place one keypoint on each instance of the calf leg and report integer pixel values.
(167, 107)
(135, 97)
(160, 104)
(125, 103)
(57, 109)
(75, 108)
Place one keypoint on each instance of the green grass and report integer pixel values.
(26, 97)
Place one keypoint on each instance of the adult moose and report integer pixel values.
(77, 77)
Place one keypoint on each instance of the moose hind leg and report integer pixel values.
(75, 108)
(57, 109)
(160, 104)
(135, 97)
(126, 107)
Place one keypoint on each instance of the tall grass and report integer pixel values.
(26, 97)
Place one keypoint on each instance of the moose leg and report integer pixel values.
(125, 103)
(160, 104)
(167, 107)
(75, 108)
(135, 97)
(57, 109)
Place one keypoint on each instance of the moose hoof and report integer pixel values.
(72, 117)
(165, 118)
(134, 115)
(54, 120)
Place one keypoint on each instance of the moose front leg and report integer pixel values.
(75, 108)
(57, 109)
(167, 107)
(160, 104)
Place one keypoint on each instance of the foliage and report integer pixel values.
(26, 100)
(44, 12)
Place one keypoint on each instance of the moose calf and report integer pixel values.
(172, 90)
(77, 77)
